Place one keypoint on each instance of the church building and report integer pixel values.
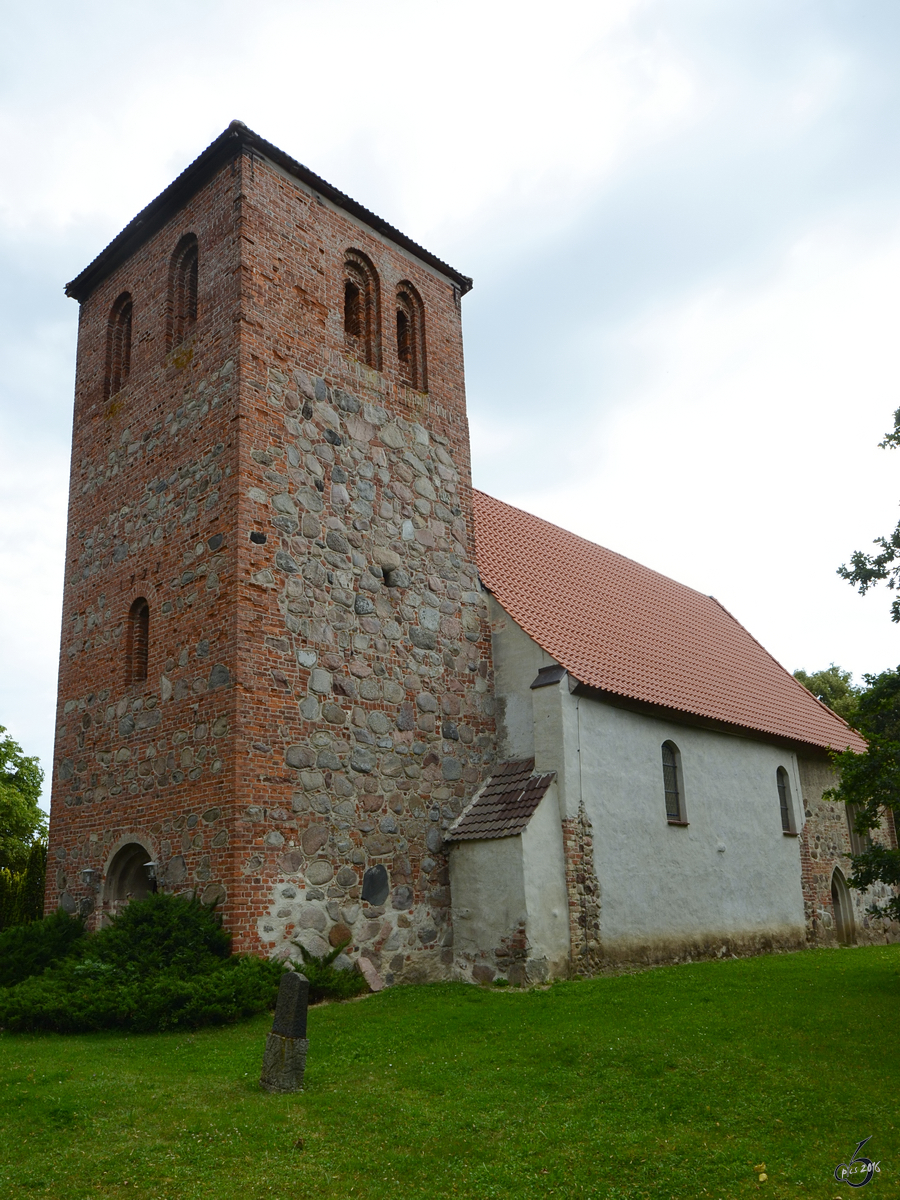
(308, 674)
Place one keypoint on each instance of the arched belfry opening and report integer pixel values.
(362, 309)
(843, 909)
(128, 877)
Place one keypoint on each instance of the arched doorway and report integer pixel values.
(843, 910)
(127, 877)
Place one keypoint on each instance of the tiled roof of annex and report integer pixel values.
(619, 627)
(505, 805)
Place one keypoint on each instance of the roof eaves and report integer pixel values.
(227, 146)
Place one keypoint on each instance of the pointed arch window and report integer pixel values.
(673, 784)
(118, 345)
(411, 336)
(362, 309)
(182, 302)
(137, 646)
(859, 842)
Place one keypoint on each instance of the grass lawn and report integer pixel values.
(681, 1081)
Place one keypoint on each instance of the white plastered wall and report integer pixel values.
(488, 896)
(546, 901)
(730, 874)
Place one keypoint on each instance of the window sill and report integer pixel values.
(683, 824)
(789, 833)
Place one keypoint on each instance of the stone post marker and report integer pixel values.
(284, 1060)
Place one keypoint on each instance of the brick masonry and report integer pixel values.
(317, 704)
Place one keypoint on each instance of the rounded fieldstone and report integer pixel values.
(274, 839)
(213, 893)
(402, 897)
(451, 769)
(379, 722)
(219, 676)
(314, 838)
(376, 887)
(334, 714)
(426, 702)
(313, 942)
(290, 864)
(312, 917)
(299, 756)
(320, 871)
(362, 760)
(176, 871)
(346, 877)
(339, 935)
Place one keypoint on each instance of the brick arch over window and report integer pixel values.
(411, 336)
(181, 313)
(118, 345)
(137, 641)
(362, 309)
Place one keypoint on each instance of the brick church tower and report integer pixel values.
(275, 676)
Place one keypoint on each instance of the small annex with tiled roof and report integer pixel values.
(505, 805)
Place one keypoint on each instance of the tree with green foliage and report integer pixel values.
(866, 570)
(870, 784)
(834, 688)
(22, 822)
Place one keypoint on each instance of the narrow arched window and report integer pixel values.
(411, 336)
(672, 784)
(784, 801)
(353, 309)
(137, 643)
(182, 300)
(859, 842)
(118, 345)
(362, 309)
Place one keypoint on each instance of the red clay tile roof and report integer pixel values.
(621, 627)
(505, 804)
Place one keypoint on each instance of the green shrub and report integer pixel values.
(327, 982)
(27, 950)
(162, 963)
(85, 996)
(163, 933)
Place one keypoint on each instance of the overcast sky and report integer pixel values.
(683, 221)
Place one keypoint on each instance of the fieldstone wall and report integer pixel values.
(583, 891)
(824, 846)
(366, 685)
(318, 706)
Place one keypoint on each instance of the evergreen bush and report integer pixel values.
(88, 995)
(163, 933)
(162, 963)
(27, 950)
(326, 981)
